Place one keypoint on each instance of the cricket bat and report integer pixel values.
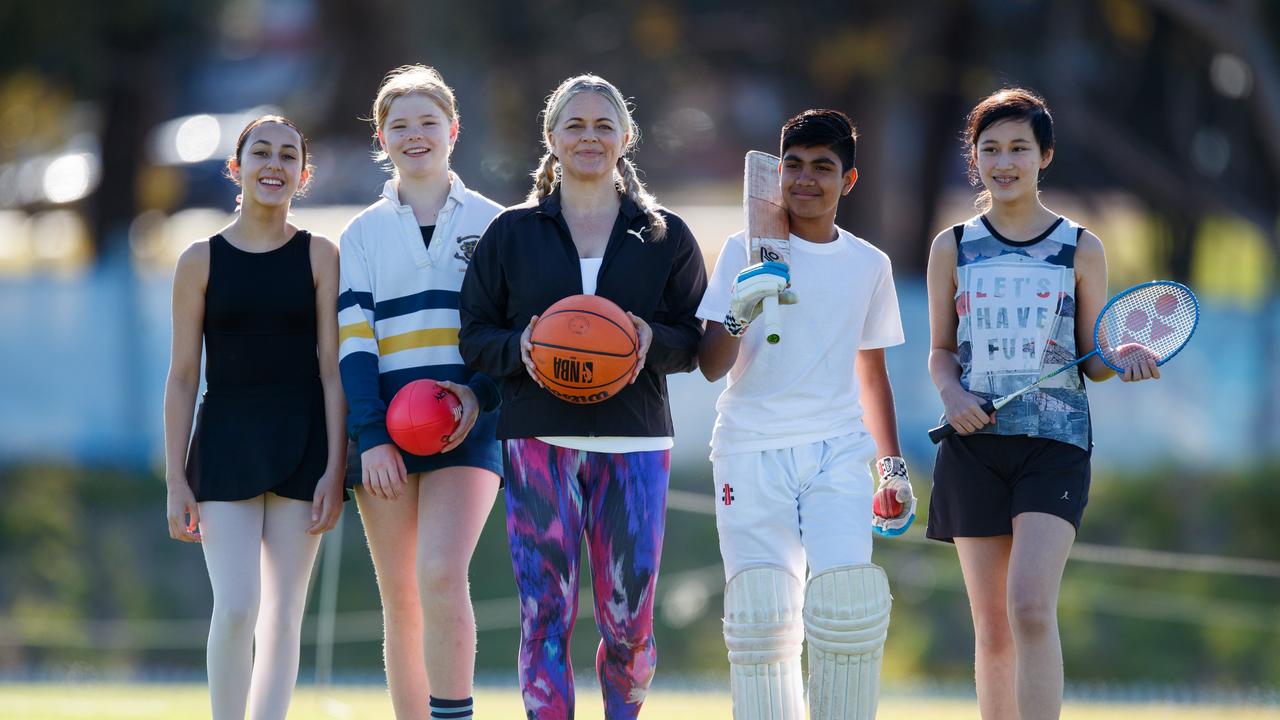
(767, 227)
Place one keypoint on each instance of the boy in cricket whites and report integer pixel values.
(799, 423)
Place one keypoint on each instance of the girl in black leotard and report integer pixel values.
(263, 476)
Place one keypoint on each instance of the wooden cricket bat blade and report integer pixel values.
(767, 226)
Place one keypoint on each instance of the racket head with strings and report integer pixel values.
(1154, 319)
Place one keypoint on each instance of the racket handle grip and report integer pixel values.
(946, 429)
(772, 321)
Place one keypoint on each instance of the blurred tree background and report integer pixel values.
(1175, 102)
(1167, 116)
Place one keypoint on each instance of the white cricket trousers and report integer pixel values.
(809, 504)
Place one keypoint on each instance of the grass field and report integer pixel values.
(164, 702)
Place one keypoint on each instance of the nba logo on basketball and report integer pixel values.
(571, 370)
(584, 349)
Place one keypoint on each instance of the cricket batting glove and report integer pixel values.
(750, 288)
(893, 474)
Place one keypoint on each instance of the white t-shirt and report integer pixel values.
(590, 274)
(804, 389)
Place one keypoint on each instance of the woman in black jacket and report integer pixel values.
(589, 226)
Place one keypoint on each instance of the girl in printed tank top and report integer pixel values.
(1012, 293)
(263, 478)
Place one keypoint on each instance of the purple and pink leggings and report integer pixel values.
(555, 495)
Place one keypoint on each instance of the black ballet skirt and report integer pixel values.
(261, 424)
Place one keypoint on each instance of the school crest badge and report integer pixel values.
(466, 248)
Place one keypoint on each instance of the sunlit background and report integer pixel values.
(116, 119)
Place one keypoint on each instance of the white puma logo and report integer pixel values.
(1064, 496)
(637, 234)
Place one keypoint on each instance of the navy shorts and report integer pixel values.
(981, 481)
(479, 450)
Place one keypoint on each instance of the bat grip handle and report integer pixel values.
(946, 429)
(772, 321)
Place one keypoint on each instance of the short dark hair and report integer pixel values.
(1018, 104)
(822, 128)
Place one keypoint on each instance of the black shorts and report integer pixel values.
(980, 482)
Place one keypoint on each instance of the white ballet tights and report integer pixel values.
(259, 558)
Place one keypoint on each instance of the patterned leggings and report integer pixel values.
(554, 494)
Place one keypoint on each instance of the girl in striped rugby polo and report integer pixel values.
(403, 260)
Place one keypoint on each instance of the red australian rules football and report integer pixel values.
(422, 416)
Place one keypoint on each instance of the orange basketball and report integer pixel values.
(584, 349)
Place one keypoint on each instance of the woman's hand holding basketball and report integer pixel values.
(382, 471)
(645, 335)
(526, 351)
(470, 411)
(182, 505)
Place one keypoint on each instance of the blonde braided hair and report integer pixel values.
(545, 177)
(627, 178)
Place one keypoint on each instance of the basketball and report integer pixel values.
(421, 416)
(885, 503)
(584, 349)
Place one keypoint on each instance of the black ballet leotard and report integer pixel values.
(261, 426)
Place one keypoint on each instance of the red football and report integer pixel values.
(422, 416)
(885, 503)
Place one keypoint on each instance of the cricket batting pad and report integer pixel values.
(764, 633)
(846, 619)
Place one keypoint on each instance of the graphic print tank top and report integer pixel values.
(1016, 305)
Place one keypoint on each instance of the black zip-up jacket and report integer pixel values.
(526, 261)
